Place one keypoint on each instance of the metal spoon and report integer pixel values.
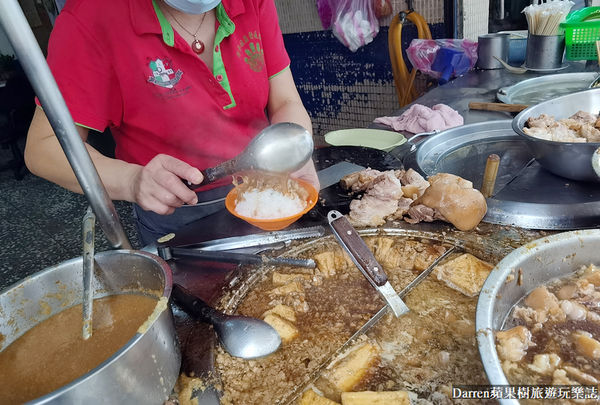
(282, 147)
(513, 69)
(241, 336)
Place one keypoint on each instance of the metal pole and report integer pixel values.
(30, 55)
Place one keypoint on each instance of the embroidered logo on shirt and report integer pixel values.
(250, 49)
(162, 74)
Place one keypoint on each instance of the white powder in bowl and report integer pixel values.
(268, 204)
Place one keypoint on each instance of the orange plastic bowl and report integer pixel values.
(278, 223)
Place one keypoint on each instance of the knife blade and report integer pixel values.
(260, 239)
(316, 373)
(362, 256)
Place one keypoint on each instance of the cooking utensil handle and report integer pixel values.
(476, 105)
(359, 251)
(168, 253)
(214, 173)
(89, 225)
(194, 306)
(413, 140)
(489, 175)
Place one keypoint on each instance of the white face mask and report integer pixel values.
(193, 6)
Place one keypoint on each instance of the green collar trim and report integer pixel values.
(225, 29)
(165, 26)
(224, 21)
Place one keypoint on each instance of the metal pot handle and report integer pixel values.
(413, 143)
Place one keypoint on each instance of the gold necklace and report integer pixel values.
(197, 45)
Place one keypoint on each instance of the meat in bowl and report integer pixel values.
(581, 127)
(554, 338)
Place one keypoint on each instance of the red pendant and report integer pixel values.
(198, 46)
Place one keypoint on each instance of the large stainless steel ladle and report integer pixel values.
(279, 148)
(241, 336)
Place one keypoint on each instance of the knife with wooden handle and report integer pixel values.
(362, 256)
(475, 105)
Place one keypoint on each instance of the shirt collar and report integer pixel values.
(145, 20)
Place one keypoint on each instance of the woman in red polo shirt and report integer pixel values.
(182, 84)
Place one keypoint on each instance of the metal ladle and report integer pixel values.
(89, 226)
(241, 336)
(279, 148)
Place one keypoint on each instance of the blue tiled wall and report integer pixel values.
(342, 89)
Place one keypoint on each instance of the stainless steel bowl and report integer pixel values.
(540, 261)
(566, 159)
(143, 371)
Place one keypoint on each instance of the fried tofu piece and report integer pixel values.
(384, 251)
(465, 274)
(286, 330)
(354, 367)
(282, 278)
(310, 397)
(375, 398)
(342, 259)
(284, 311)
(325, 262)
(293, 287)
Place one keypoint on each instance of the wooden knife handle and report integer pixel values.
(476, 105)
(359, 252)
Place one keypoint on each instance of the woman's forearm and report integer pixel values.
(292, 111)
(45, 158)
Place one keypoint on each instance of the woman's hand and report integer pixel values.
(158, 186)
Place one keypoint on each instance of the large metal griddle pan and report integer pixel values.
(526, 195)
(490, 243)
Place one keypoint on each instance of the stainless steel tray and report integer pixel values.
(526, 195)
(538, 89)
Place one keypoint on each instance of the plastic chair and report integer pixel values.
(403, 79)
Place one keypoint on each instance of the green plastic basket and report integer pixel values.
(582, 30)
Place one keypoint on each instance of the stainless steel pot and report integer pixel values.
(540, 261)
(143, 371)
(566, 159)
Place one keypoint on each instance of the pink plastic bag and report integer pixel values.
(353, 22)
(422, 53)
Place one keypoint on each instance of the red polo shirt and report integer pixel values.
(123, 66)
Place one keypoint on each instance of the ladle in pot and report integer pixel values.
(241, 336)
(89, 226)
(279, 148)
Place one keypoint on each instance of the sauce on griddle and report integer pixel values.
(53, 353)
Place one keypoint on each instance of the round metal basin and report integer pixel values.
(567, 159)
(539, 261)
(145, 369)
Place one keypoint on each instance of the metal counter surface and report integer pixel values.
(477, 85)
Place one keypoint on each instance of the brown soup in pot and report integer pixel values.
(53, 353)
